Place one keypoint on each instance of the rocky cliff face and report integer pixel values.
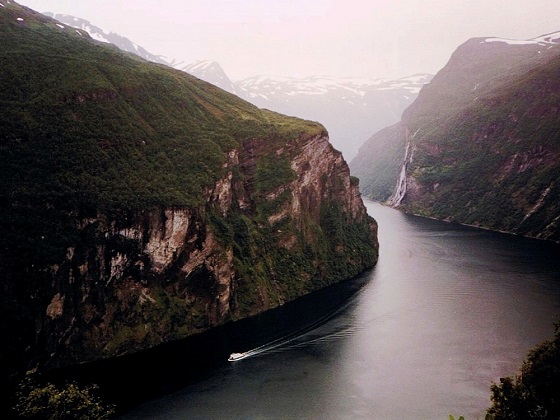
(144, 278)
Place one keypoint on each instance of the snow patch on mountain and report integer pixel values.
(97, 33)
(211, 72)
(106, 36)
(552, 38)
(267, 86)
(351, 109)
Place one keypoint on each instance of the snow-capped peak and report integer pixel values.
(95, 32)
(211, 72)
(202, 65)
(106, 36)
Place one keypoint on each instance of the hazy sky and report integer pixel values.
(355, 38)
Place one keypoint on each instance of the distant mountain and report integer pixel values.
(109, 37)
(351, 109)
(211, 72)
(481, 143)
(379, 162)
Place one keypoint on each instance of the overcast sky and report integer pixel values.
(354, 38)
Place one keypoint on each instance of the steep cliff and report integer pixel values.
(480, 145)
(140, 205)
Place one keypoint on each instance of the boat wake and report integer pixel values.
(297, 338)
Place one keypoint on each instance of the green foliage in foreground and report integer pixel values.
(49, 402)
(533, 394)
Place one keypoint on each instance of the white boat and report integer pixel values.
(236, 356)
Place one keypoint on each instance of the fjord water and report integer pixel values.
(447, 310)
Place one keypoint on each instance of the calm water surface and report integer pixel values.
(447, 310)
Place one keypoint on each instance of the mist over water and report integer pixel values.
(447, 310)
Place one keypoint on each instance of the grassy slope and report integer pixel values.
(84, 126)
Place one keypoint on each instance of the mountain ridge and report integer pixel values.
(107, 36)
(479, 145)
(351, 108)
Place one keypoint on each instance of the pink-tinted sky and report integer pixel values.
(355, 38)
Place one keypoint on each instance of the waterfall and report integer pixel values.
(400, 188)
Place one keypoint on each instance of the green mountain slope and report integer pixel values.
(483, 142)
(379, 162)
(140, 205)
(122, 111)
(103, 129)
